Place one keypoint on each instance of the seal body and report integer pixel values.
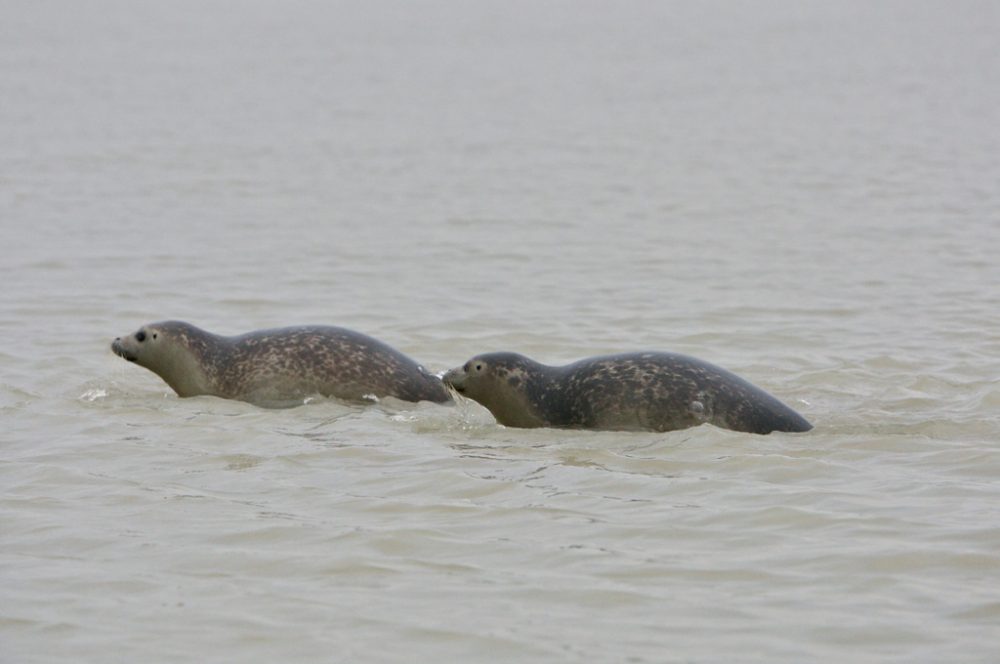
(278, 367)
(630, 391)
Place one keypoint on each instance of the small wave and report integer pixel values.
(94, 394)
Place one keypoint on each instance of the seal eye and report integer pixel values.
(479, 367)
(140, 336)
(154, 335)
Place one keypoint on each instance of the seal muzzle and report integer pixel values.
(455, 379)
(118, 349)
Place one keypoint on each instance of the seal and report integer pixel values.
(278, 367)
(627, 392)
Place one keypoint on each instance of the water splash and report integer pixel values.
(94, 394)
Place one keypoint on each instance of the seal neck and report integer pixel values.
(530, 397)
(192, 364)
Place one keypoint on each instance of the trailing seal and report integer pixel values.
(278, 367)
(630, 391)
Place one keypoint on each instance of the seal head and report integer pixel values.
(505, 383)
(175, 351)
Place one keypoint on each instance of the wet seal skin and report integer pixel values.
(648, 391)
(278, 367)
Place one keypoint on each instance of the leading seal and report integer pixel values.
(630, 391)
(278, 367)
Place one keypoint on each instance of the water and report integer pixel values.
(804, 193)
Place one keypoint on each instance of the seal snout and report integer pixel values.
(455, 379)
(119, 349)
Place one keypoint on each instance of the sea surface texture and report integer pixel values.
(805, 193)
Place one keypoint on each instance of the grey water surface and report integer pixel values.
(805, 193)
